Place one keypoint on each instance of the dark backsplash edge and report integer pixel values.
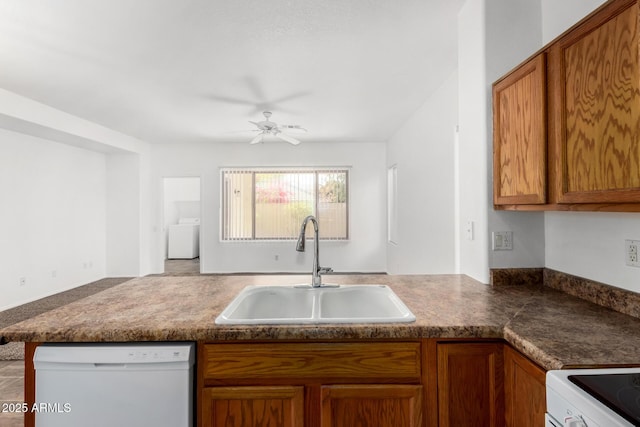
(516, 276)
(618, 299)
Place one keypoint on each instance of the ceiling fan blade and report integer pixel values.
(258, 138)
(289, 139)
(230, 100)
(293, 127)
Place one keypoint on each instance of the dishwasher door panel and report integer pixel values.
(114, 394)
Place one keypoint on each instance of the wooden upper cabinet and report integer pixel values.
(566, 123)
(520, 135)
(596, 105)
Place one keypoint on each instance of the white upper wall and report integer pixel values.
(63, 150)
(472, 160)
(365, 251)
(559, 16)
(493, 37)
(53, 215)
(123, 220)
(30, 117)
(423, 151)
(513, 34)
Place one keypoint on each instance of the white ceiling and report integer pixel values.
(173, 71)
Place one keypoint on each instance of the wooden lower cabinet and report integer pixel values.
(273, 406)
(525, 398)
(315, 384)
(426, 383)
(470, 384)
(371, 406)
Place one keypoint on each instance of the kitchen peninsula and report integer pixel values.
(537, 323)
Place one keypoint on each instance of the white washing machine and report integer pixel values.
(184, 239)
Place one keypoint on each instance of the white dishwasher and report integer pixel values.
(106, 385)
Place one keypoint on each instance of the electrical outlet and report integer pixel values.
(23, 281)
(631, 252)
(503, 240)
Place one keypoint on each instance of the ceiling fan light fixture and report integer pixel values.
(267, 127)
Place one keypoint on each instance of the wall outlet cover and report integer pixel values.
(631, 252)
(503, 240)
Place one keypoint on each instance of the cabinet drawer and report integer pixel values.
(397, 361)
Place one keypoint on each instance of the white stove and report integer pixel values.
(593, 398)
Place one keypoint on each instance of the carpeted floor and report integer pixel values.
(15, 350)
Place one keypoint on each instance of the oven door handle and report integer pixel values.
(574, 421)
(550, 421)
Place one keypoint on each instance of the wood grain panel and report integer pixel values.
(253, 406)
(338, 362)
(525, 392)
(520, 135)
(372, 406)
(29, 382)
(470, 385)
(601, 91)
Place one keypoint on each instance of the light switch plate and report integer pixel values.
(469, 230)
(503, 240)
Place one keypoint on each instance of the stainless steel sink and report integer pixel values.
(305, 304)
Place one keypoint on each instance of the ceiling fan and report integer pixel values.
(267, 127)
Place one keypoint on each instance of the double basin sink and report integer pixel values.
(304, 304)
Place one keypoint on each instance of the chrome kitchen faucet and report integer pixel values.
(317, 271)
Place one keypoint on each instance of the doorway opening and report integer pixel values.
(181, 225)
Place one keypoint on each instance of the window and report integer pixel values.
(392, 204)
(270, 204)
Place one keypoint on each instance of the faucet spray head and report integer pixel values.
(303, 228)
(301, 240)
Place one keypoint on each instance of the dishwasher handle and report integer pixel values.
(110, 365)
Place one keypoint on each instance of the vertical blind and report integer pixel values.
(270, 204)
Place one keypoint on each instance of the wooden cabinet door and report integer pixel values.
(520, 135)
(273, 406)
(470, 385)
(595, 74)
(371, 406)
(524, 389)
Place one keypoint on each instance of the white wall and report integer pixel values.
(30, 117)
(493, 37)
(513, 34)
(587, 244)
(423, 151)
(364, 252)
(53, 217)
(123, 215)
(125, 202)
(591, 245)
(559, 16)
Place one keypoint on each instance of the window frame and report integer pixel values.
(283, 169)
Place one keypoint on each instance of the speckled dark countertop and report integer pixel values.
(551, 327)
